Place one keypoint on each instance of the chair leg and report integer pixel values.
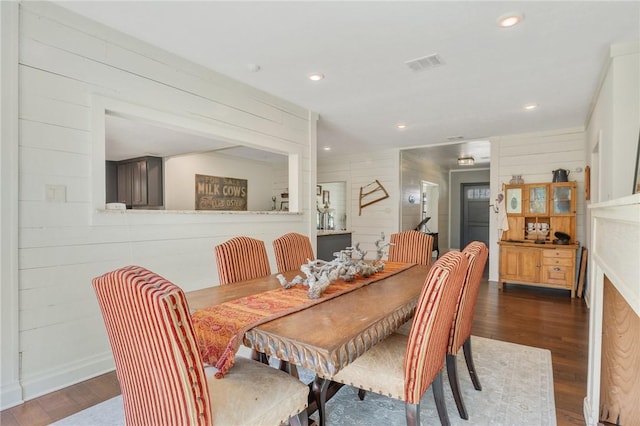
(319, 388)
(468, 357)
(301, 419)
(452, 372)
(361, 394)
(413, 414)
(438, 395)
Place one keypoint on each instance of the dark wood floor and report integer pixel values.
(525, 315)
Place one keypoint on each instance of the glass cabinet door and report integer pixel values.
(514, 200)
(537, 203)
(562, 200)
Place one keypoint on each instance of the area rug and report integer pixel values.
(517, 389)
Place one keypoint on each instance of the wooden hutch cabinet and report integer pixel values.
(530, 251)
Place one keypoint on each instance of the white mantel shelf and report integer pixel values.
(614, 252)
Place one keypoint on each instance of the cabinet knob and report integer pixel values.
(556, 269)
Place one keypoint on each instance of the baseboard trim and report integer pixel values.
(67, 375)
(10, 395)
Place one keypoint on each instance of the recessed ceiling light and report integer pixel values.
(510, 19)
(327, 148)
(530, 107)
(316, 76)
(401, 126)
(253, 67)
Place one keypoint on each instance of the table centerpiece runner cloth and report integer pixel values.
(220, 328)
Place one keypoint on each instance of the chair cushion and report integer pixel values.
(255, 394)
(380, 369)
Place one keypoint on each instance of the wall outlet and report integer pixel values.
(55, 193)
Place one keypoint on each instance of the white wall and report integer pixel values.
(611, 144)
(10, 389)
(359, 171)
(614, 124)
(413, 172)
(534, 156)
(71, 69)
(180, 171)
(337, 202)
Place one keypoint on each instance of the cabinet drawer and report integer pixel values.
(557, 261)
(558, 253)
(559, 275)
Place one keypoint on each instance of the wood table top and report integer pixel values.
(327, 336)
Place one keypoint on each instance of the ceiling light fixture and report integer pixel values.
(530, 107)
(401, 126)
(327, 148)
(510, 19)
(316, 76)
(466, 161)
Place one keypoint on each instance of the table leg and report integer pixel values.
(319, 388)
(288, 368)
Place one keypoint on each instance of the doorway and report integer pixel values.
(474, 217)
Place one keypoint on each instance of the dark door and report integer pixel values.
(475, 213)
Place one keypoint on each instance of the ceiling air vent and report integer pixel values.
(426, 62)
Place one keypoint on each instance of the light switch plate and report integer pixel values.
(55, 193)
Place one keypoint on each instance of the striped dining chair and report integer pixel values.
(160, 370)
(403, 367)
(240, 259)
(292, 250)
(411, 247)
(460, 334)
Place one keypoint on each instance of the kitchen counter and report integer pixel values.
(322, 232)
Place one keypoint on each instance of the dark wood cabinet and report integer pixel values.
(138, 182)
(331, 242)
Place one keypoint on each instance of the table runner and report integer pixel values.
(219, 329)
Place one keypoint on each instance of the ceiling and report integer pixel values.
(553, 58)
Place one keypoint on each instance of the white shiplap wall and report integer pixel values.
(358, 171)
(66, 63)
(414, 171)
(534, 156)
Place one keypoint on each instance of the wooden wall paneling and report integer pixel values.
(147, 61)
(133, 87)
(65, 60)
(620, 375)
(47, 136)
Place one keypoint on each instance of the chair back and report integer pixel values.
(411, 247)
(156, 356)
(292, 250)
(427, 344)
(241, 258)
(477, 253)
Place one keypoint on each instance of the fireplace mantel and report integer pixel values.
(614, 253)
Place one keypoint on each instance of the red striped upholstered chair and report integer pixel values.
(241, 258)
(292, 250)
(460, 334)
(403, 367)
(411, 247)
(160, 370)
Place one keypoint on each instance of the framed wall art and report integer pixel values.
(220, 193)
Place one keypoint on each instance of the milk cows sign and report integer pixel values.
(220, 193)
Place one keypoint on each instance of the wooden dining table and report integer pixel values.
(327, 336)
